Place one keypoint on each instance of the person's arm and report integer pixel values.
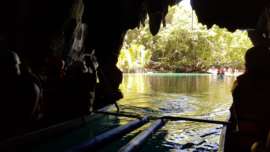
(36, 98)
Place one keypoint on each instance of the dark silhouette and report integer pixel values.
(250, 109)
(53, 90)
(69, 89)
(80, 85)
(110, 77)
(19, 96)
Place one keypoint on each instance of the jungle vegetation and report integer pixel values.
(184, 45)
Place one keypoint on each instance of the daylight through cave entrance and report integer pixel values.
(175, 73)
(183, 45)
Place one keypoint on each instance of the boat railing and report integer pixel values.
(53, 130)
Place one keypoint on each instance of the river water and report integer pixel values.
(202, 96)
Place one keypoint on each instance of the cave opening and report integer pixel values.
(61, 60)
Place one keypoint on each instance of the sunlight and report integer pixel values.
(186, 3)
(184, 45)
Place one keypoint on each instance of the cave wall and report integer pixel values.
(29, 26)
(38, 30)
(35, 29)
(107, 26)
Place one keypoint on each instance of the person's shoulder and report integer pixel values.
(242, 78)
(27, 82)
(241, 82)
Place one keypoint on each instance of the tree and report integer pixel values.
(183, 46)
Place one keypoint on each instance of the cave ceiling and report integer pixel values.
(231, 14)
(30, 24)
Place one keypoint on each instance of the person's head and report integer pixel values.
(88, 60)
(258, 38)
(258, 60)
(10, 63)
(75, 69)
(55, 66)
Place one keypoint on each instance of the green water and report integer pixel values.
(201, 96)
(177, 94)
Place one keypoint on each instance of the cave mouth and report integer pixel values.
(46, 32)
(183, 45)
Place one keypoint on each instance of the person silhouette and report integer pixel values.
(251, 100)
(19, 96)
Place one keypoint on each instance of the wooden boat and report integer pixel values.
(85, 133)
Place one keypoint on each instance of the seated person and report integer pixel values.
(69, 93)
(80, 85)
(250, 110)
(53, 90)
(19, 97)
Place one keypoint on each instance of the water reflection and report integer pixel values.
(177, 94)
(195, 95)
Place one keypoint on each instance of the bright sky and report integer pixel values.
(186, 3)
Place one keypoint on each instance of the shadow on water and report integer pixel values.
(155, 142)
(117, 144)
(74, 137)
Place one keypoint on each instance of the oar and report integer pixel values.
(136, 142)
(109, 136)
(171, 118)
(119, 114)
(174, 118)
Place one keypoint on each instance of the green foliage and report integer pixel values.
(184, 45)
